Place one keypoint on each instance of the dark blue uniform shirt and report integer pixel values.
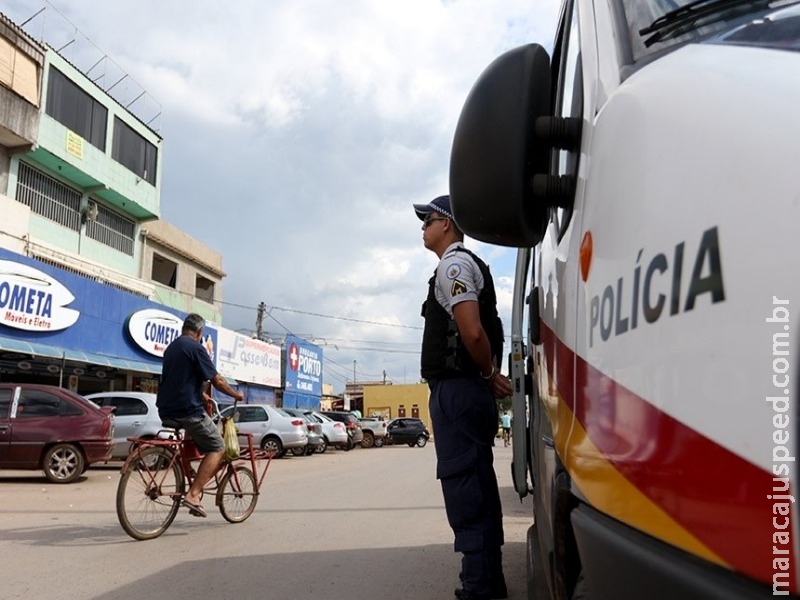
(186, 367)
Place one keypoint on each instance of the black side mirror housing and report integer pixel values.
(496, 152)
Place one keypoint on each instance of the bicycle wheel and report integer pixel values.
(237, 495)
(149, 493)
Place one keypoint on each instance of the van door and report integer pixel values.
(555, 272)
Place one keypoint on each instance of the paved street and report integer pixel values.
(364, 524)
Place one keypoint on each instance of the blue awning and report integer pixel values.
(33, 348)
(37, 349)
(113, 361)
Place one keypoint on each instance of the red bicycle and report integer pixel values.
(158, 472)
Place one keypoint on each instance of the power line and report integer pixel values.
(315, 314)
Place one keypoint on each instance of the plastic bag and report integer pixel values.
(231, 437)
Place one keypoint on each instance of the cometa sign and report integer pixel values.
(152, 330)
(32, 300)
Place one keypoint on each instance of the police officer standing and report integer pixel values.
(461, 349)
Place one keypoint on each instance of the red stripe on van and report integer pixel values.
(715, 494)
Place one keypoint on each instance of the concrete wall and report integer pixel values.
(13, 224)
(193, 258)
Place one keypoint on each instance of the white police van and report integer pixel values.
(649, 173)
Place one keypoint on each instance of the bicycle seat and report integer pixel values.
(171, 424)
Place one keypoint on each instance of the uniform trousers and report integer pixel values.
(464, 418)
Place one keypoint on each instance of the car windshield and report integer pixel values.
(654, 25)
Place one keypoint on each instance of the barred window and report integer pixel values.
(112, 229)
(49, 197)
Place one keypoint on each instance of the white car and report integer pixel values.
(333, 433)
(136, 415)
(273, 428)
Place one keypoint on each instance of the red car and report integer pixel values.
(50, 428)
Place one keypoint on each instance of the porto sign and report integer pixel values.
(303, 367)
(32, 300)
(152, 330)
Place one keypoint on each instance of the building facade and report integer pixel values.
(92, 282)
(392, 401)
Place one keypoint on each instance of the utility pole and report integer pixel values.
(354, 372)
(262, 308)
(384, 377)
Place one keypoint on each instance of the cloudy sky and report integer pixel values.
(297, 134)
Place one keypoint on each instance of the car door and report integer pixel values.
(130, 417)
(252, 419)
(5, 425)
(36, 423)
(133, 412)
(400, 433)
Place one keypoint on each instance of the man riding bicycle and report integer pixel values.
(185, 369)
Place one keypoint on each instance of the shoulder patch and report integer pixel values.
(453, 271)
(458, 288)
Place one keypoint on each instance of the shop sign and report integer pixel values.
(245, 359)
(303, 366)
(32, 300)
(152, 329)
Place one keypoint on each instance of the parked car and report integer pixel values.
(273, 428)
(313, 429)
(136, 416)
(407, 430)
(353, 426)
(50, 428)
(334, 433)
(374, 429)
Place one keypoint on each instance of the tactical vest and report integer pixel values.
(443, 352)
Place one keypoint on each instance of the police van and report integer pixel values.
(647, 168)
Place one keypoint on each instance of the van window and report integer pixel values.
(568, 102)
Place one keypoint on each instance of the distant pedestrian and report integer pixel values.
(506, 422)
(461, 349)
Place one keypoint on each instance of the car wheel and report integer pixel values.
(411, 444)
(349, 445)
(322, 446)
(378, 442)
(272, 444)
(368, 441)
(421, 441)
(63, 463)
(299, 451)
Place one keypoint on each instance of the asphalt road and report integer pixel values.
(369, 523)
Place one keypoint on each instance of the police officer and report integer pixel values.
(461, 349)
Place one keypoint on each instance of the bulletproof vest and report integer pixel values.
(443, 352)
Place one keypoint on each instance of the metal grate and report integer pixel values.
(49, 197)
(112, 229)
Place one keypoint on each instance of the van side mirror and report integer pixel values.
(496, 152)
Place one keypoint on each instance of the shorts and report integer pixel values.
(204, 433)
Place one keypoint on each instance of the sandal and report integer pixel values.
(196, 510)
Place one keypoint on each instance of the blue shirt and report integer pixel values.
(506, 421)
(186, 367)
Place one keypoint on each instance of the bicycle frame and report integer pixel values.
(157, 473)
